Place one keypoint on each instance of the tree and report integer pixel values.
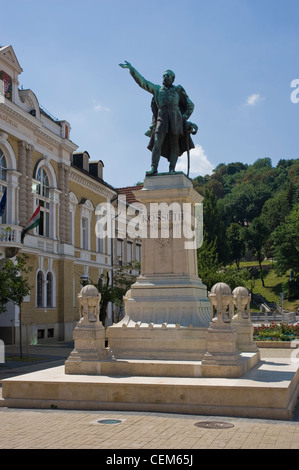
(14, 284)
(208, 264)
(256, 237)
(244, 203)
(214, 228)
(285, 239)
(211, 272)
(236, 242)
(123, 278)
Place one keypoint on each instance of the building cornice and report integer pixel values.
(84, 180)
(16, 115)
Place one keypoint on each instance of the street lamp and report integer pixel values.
(84, 280)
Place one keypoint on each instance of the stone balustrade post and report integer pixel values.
(89, 336)
(222, 358)
(241, 320)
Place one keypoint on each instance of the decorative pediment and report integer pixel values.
(8, 55)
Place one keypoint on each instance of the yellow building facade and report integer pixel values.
(40, 165)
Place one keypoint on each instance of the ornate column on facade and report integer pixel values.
(64, 218)
(61, 186)
(22, 167)
(29, 153)
(67, 205)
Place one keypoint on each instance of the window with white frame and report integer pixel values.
(43, 199)
(119, 251)
(85, 234)
(45, 289)
(47, 196)
(129, 252)
(100, 245)
(40, 289)
(138, 252)
(86, 215)
(49, 289)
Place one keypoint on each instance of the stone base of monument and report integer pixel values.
(220, 366)
(89, 350)
(157, 342)
(267, 391)
(244, 335)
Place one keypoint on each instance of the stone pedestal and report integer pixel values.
(89, 336)
(168, 329)
(222, 358)
(167, 309)
(242, 322)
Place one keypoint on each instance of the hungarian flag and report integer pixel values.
(33, 222)
(3, 203)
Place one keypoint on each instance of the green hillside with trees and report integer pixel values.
(251, 218)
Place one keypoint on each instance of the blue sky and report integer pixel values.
(235, 58)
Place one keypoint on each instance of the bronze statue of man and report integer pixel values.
(170, 131)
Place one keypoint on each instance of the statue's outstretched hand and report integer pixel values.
(126, 65)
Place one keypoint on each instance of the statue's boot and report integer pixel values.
(172, 163)
(152, 171)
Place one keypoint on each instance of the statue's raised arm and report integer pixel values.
(126, 65)
(170, 132)
(142, 82)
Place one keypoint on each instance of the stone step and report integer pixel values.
(267, 391)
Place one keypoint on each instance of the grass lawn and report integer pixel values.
(273, 284)
(272, 289)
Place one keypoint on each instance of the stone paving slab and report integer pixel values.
(58, 429)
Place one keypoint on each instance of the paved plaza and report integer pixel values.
(67, 429)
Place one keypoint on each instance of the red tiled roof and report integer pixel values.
(128, 192)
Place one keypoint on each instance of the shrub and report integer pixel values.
(276, 332)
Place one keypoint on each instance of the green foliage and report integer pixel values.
(211, 272)
(236, 242)
(14, 283)
(285, 239)
(123, 278)
(290, 288)
(255, 205)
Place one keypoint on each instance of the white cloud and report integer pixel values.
(253, 99)
(199, 163)
(99, 107)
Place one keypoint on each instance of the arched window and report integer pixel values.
(43, 191)
(43, 186)
(39, 289)
(86, 214)
(3, 166)
(49, 290)
(3, 182)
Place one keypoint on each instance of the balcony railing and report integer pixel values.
(10, 235)
(10, 240)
